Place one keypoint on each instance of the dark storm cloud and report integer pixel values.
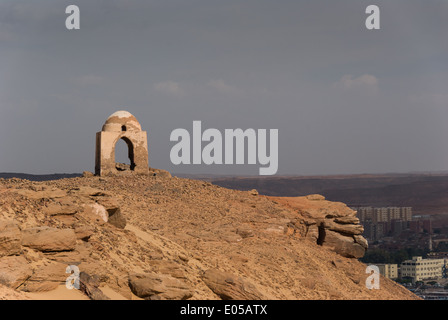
(345, 99)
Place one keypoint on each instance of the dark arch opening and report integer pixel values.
(123, 128)
(120, 155)
(321, 234)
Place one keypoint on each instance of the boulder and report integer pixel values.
(89, 286)
(83, 232)
(343, 245)
(316, 207)
(56, 209)
(347, 220)
(351, 229)
(116, 218)
(87, 174)
(171, 268)
(96, 270)
(49, 239)
(95, 212)
(253, 192)
(245, 232)
(159, 286)
(230, 287)
(80, 254)
(312, 232)
(114, 215)
(10, 238)
(108, 202)
(43, 194)
(159, 173)
(46, 277)
(362, 241)
(14, 271)
(327, 223)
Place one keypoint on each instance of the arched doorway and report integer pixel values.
(124, 155)
(121, 125)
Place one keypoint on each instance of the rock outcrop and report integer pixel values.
(90, 286)
(35, 258)
(230, 287)
(329, 224)
(49, 239)
(10, 238)
(153, 286)
(14, 271)
(47, 275)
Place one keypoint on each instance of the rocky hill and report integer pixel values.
(162, 237)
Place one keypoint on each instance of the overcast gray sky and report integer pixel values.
(344, 99)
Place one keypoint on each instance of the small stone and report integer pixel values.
(245, 232)
(87, 174)
(253, 192)
(83, 232)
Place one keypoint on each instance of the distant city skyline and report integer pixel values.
(345, 100)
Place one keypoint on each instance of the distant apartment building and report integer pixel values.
(388, 270)
(421, 224)
(406, 213)
(380, 215)
(386, 214)
(422, 269)
(398, 226)
(379, 222)
(364, 213)
(373, 231)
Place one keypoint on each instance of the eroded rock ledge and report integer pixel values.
(329, 224)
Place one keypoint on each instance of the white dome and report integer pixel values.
(121, 121)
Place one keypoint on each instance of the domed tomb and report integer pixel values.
(121, 125)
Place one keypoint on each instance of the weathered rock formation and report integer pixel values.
(153, 286)
(49, 239)
(10, 238)
(14, 271)
(329, 224)
(34, 259)
(230, 287)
